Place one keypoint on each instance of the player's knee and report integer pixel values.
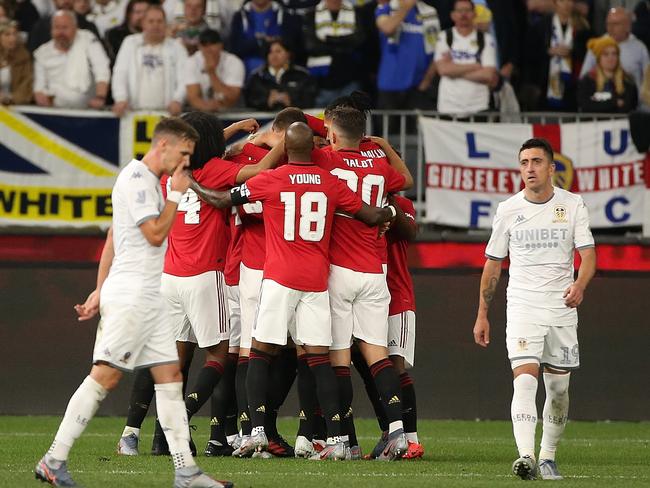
(557, 384)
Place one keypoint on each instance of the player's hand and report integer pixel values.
(379, 141)
(248, 125)
(383, 228)
(181, 178)
(482, 331)
(573, 295)
(89, 308)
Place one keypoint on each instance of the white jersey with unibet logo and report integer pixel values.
(135, 274)
(541, 239)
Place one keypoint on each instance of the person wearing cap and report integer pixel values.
(607, 88)
(16, 69)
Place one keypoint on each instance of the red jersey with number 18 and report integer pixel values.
(299, 201)
(198, 240)
(398, 278)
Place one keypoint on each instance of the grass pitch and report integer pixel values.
(458, 453)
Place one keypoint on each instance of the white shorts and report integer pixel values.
(401, 336)
(198, 307)
(554, 346)
(305, 315)
(359, 305)
(131, 336)
(250, 283)
(232, 294)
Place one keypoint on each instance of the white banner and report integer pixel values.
(471, 167)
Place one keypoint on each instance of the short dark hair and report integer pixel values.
(538, 143)
(350, 122)
(357, 99)
(457, 1)
(282, 43)
(211, 143)
(288, 116)
(175, 126)
(209, 36)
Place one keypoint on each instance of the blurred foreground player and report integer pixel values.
(135, 331)
(539, 228)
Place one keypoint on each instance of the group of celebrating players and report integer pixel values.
(294, 275)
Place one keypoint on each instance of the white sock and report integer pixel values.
(173, 419)
(333, 440)
(524, 413)
(412, 437)
(393, 426)
(257, 430)
(131, 430)
(80, 410)
(231, 438)
(556, 410)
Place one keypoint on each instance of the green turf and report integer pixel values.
(457, 454)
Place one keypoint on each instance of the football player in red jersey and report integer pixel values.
(299, 203)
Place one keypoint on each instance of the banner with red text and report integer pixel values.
(471, 167)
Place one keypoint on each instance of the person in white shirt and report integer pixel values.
(106, 14)
(148, 71)
(466, 65)
(539, 228)
(71, 70)
(135, 331)
(214, 78)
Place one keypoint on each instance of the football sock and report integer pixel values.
(409, 409)
(141, 396)
(344, 380)
(524, 413)
(242, 398)
(173, 419)
(556, 410)
(371, 389)
(185, 371)
(327, 391)
(257, 385)
(282, 374)
(306, 398)
(387, 382)
(80, 410)
(209, 377)
(222, 399)
(320, 426)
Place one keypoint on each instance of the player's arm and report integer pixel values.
(90, 307)
(221, 199)
(155, 229)
(395, 161)
(574, 295)
(374, 216)
(269, 161)
(489, 281)
(404, 226)
(247, 125)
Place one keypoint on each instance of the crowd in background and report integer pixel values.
(454, 56)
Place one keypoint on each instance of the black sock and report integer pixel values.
(320, 426)
(221, 400)
(257, 383)
(209, 377)
(387, 382)
(141, 396)
(307, 398)
(371, 389)
(344, 380)
(282, 374)
(409, 409)
(185, 371)
(242, 398)
(327, 391)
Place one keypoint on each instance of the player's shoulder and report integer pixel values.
(405, 204)
(511, 204)
(566, 196)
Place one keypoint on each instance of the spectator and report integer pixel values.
(333, 36)
(190, 25)
(106, 14)
(279, 83)
(644, 94)
(72, 69)
(214, 77)
(466, 61)
(217, 14)
(607, 88)
(132, 24)
(634, 55)
(641, 26)
(148, 71)
(256, 25)
(16, 70)
(408, 30)
(504, 29)
(26, 14)
(81, 7)
(555, 48)
(42, 30)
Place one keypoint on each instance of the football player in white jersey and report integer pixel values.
(539, 228)
(135, 331)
